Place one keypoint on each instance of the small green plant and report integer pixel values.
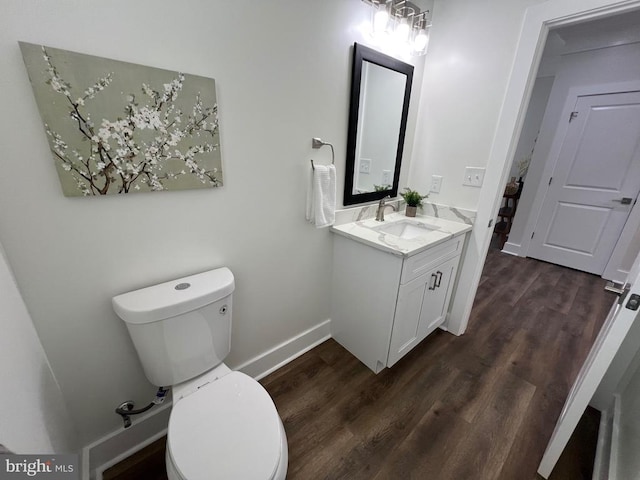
(381, 188)
(413, 198)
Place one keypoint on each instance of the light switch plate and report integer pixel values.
(436, 183)
(365, 165)
(386, 177)
(473, 176)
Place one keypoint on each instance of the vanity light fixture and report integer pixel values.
(400, 25)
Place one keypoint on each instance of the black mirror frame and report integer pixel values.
(360, 54)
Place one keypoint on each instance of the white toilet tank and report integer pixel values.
(180, 328)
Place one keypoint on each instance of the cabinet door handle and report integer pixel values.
(439, 278)
(432, 285)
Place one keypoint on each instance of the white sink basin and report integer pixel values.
(406, 229)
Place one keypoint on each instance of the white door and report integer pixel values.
(607, 344)
(594, 184)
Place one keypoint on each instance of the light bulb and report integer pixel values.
(403, 30)
(380, 20)
(421, 40)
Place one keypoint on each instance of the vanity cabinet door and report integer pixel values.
(406, 323)
(421, 308)
(436, 302)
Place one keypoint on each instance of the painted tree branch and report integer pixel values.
(152, 145)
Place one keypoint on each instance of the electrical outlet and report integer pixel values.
(365, 165)
(386, 177)
(436, 183)
(473, 176)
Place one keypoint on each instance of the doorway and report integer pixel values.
(539, 23)
(581, 60)
(520, 84)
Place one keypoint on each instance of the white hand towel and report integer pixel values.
(321, 196)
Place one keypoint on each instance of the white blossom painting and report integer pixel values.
(115, 127)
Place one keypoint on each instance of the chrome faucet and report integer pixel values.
(381, 206)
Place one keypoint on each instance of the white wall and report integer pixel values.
(282, 71)
(33, 417)
(607, 65)
(466, 73)
(532, 122)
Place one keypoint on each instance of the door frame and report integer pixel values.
(538, 20)
(551, 161)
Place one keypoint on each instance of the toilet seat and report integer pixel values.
(229, 429)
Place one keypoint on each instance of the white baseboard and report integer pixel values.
(271, 360)
(512, 249)
(114, 461)
(120, 444)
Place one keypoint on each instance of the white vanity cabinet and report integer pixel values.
(385, 304)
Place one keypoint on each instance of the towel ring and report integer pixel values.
(318, 143)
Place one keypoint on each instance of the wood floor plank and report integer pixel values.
(542, 349)
(482, 452)
(564, 292)
(519, 279)
(498, 337)
(436, 437)
(593, 304)
(586, 429)
(530, 442)
(147, 464)
(409, 401)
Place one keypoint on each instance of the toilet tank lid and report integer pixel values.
(175, 297)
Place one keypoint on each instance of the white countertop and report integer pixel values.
(362, 231)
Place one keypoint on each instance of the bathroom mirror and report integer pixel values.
(380, 92)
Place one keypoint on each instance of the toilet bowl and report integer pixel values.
(223, 424)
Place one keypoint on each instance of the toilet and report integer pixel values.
(223, 423)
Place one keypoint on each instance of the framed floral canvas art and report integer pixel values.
(115, 127)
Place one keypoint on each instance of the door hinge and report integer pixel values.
(572, 115)
(490, 223)
(532, 234)
(622, 290)
(614, 287)
(550, 180)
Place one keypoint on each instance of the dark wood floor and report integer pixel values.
(480, 406)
